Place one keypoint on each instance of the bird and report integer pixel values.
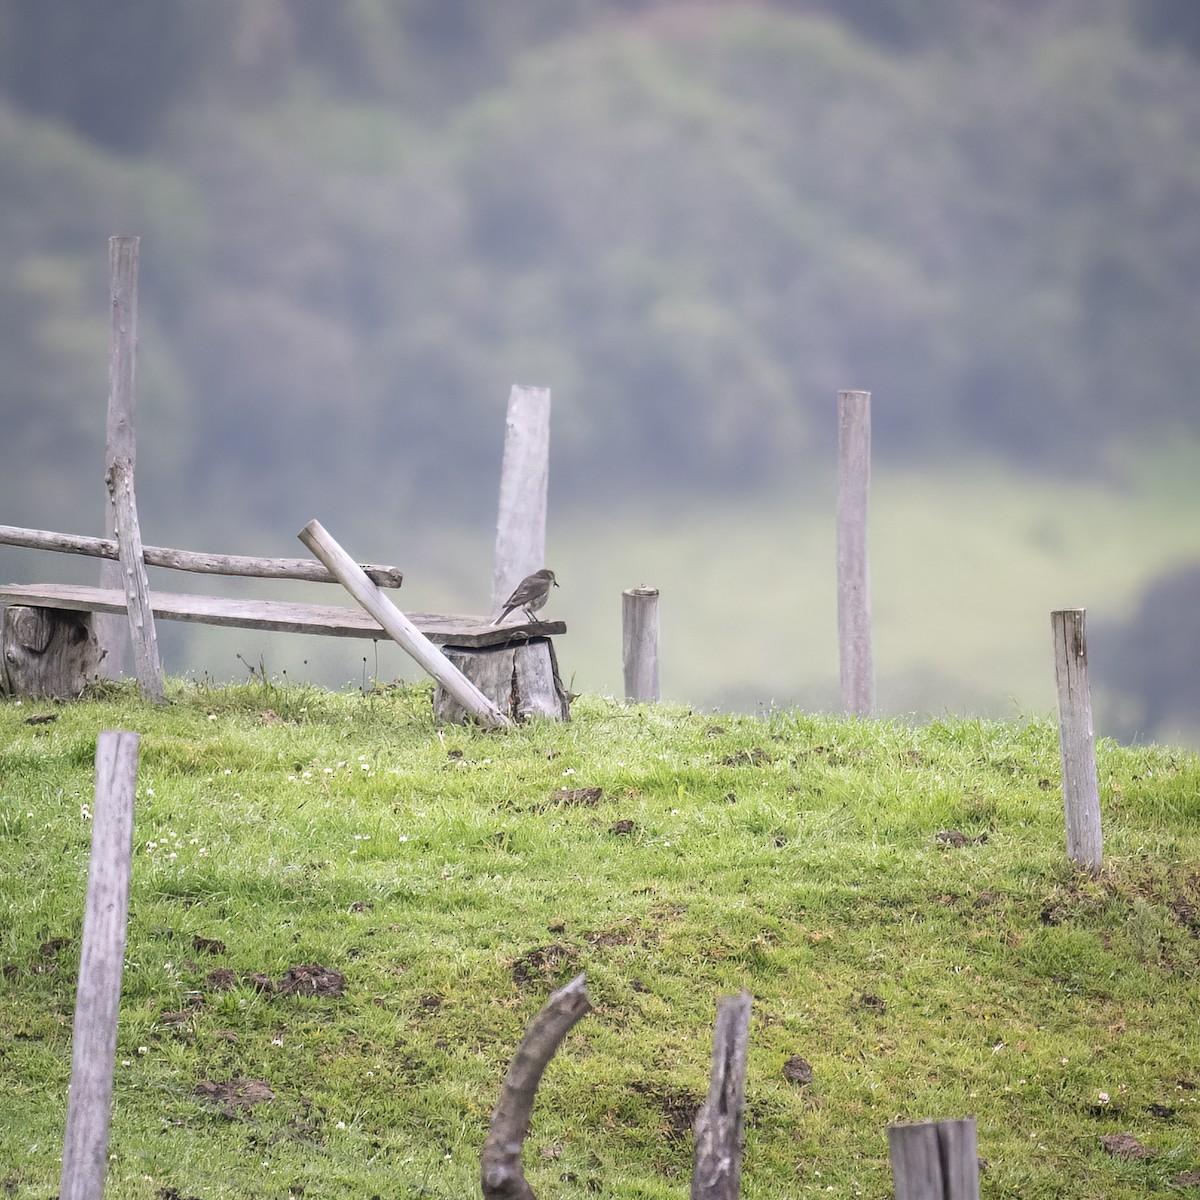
(530, 594)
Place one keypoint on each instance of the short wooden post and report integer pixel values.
(1077, 742)
(935, 1160)
(397, 626)
(524, 479)
(98, 995)
(133, 579)
(47, 652)
(854, 583)
(720, 1123)
(120, 436)
(639, 644)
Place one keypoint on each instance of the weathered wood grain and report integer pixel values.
(1076, 739)
(853, 572)
(720, 1123)
(935, 1160)
(524, 478)
(144, 637)
(98, 995)
(120, 442)
(332, 620)
(501, 1174)
(639, 644)
(521, 680)
(47, 652)
(191, 560)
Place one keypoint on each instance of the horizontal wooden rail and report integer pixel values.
(189, 560)
(332, 620)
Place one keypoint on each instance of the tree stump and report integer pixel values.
(520, 678)
(48, 652)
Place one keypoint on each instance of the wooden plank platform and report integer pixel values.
(331, 620)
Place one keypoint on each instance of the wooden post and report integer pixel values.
(502, 1175)
(522, 679)
(120, 436)
(639, 644)
(397, 626)
(524, 478)
(935, 1160)
(854, 582)
(47, 652)
(720, 1123)
(1077, 742)
(133, 578)
(98, 995)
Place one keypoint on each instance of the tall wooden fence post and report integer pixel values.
(854, 585)
(1076, 739)
(720, 1123)
(935, 1160)
(98, 994)
(112, 633)
(524, 480)
(639, 644)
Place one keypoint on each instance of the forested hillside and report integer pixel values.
(694, 221)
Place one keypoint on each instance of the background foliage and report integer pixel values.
(694, 221)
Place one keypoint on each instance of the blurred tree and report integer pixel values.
(1152, 661)
(111, 69)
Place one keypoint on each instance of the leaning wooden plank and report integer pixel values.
(98, 993)
(191, 560)
(399, 628)
(332, 620)
(147, 662)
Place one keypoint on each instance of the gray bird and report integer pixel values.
(530, 594)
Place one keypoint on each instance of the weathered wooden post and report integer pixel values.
(524, 479)
(935, 1160)
(143, 634)
(720, 1123)
(639, 644)
(98, 994)
(112, 633)
(1076, 739)
(502, 1175)
(854, 582)
(397, 626)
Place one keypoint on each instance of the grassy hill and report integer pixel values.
(455, 877)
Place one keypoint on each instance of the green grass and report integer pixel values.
(439, 871)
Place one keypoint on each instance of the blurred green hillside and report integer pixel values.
(693, 221)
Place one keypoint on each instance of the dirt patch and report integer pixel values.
(622, 828)
(957, 839)
(544, 963)
(235, 1095)
(1124, 1145)
(678, 1109)
(798, 1071)
(311, 979)
(754, 757)
(207, 945)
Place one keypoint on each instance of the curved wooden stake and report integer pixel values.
(503, 1178)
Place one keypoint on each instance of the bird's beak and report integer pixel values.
(556, 583)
